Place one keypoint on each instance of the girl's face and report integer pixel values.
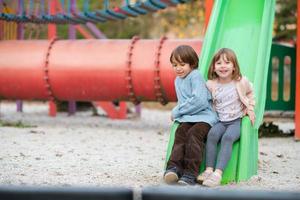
(224, 69)
(181, 69)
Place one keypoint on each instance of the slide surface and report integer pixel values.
(246, 27)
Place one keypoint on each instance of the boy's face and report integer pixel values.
(181, 69)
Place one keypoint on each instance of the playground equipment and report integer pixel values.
(84, 69)
(297, 104)
(8, 31)
(70, 15)
(281, 78)
(66, 12)
(245, 27)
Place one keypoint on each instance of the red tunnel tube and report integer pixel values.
(89, 70)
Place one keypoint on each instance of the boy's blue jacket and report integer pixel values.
(194, 100)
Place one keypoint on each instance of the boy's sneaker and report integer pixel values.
(171, 176)
(187, 179)
(203, 176)
(213, 180)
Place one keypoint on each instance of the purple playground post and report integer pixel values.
(72, 104)
(92, 27)
(20, 36)
(138, 109)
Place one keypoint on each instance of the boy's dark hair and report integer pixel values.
(230, 55)
(185, 54)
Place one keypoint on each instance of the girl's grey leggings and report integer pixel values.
(228, 133)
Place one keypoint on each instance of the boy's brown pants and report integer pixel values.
(188, 148)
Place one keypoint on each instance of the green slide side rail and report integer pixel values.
(246, 27)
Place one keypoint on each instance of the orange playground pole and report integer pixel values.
(297, 104)
(52, 35)
(208, 8)
(84, 32)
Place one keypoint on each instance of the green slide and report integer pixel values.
(246, 27)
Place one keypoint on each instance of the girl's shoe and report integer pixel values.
(203, 176)
(171, 176)
(213, 180)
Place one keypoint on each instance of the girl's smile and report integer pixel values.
(224, 69)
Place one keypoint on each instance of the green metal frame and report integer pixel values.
(281, 51)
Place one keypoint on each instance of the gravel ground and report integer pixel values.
(85, 150)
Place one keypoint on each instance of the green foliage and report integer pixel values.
(182, 21)
(124, 29)
(18, 124)
(285, 20)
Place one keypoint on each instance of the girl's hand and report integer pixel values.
(252, 118)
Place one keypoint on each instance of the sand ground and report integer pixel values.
(86, 150)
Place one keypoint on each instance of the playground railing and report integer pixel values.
(154, 193)
(281, 83)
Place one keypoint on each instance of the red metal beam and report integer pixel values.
(52, 35)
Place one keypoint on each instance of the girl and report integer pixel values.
(195, 116)
(233, 98)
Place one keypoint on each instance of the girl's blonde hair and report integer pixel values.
(230, 56)
(185, 54)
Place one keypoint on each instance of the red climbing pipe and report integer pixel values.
(89, 70)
